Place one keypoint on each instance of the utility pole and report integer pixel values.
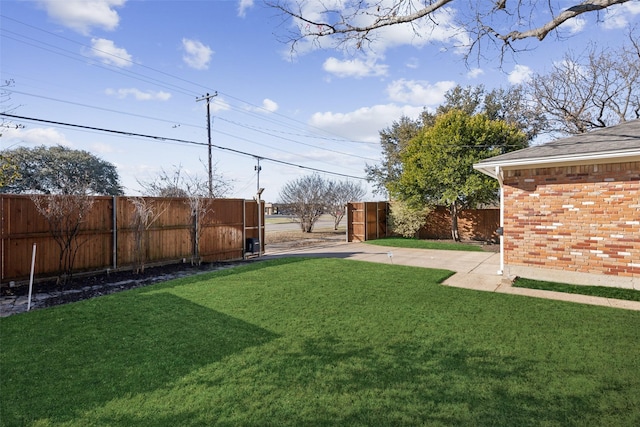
(259, 191)
(258, 168)
(208, 97)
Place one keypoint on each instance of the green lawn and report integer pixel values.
(400, 242)
(319, 342)
(596, 291)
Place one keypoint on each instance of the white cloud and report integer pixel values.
(354, 67)
(82, 15)
(138, 94)
(269, 105)
(363, 124)
(109, 53)
(218, 104)
(197, 55)
(575, 25)
(102, 148)
(520, 74)
(413, 63)
(420, 93)
(243, 5)
(34, 137)
(474, 73)
(620, 16)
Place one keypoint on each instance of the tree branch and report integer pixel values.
(541, 32)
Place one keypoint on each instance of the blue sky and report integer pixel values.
(138, 66)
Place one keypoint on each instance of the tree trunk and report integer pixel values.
(454, 222)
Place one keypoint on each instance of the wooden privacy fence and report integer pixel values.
(107, 236)
(473, 224)
(369, 221)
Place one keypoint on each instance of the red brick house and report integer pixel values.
(570, 209)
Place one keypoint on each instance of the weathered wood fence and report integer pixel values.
(107, 236)
(369, 220)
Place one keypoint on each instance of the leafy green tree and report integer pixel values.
(61, 170)
(437, 165)
(510, 105)
(393, 140)
(8, 170)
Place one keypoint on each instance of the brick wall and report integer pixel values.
(574, 218)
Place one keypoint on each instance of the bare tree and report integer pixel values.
(145, 214)
(598, 89)
(339, 193)
(65, 213)
(356, 23)
(6, 106)
(179, 183)
(306, 197)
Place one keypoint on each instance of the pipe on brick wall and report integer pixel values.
(500, 182)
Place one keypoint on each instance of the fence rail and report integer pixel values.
(107, 235)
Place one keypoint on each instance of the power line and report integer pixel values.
(253, 128)
(244, 126)
(184, 141)
(158, 82)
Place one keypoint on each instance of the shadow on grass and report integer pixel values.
(253, 265)
(74, 358)
(442, 384)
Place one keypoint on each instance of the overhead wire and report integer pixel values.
(173, 122)
(305, 125)
(148, 79)
(163, 138)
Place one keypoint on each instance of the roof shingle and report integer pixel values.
(614, 139)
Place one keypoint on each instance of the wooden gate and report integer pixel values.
(367, 221)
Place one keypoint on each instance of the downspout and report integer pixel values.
(500, 181)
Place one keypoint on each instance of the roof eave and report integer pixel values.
(488, 167)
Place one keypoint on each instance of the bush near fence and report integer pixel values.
(107, 237)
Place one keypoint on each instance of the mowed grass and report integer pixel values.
(400, 242)
(596, 291)
(319, 342)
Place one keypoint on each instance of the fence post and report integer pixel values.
(114, 216)
(244, 228)
(377, 220)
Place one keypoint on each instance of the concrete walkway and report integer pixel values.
(474, 270)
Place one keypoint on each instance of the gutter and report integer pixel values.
(489, 166)
(499, 176)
